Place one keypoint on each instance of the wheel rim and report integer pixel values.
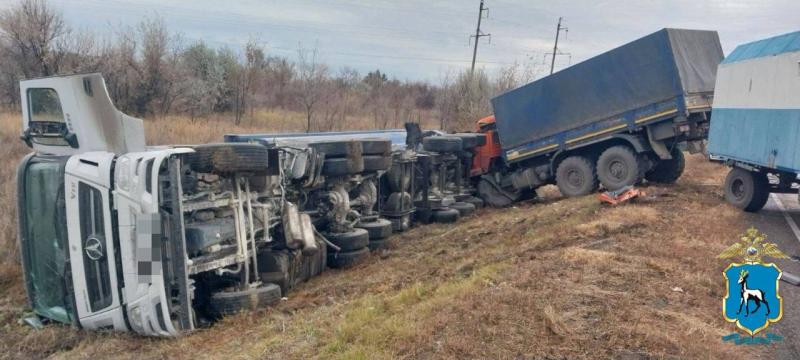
(738, 189)
(618, 170)
(575, 178)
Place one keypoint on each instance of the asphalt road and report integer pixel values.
(774, 221)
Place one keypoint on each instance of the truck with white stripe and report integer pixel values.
(755, 127)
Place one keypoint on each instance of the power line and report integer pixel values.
(555, 47)
(478, 35)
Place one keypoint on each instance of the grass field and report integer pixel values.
(552, 278)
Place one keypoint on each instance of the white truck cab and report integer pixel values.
(115, 235)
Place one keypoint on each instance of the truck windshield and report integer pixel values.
(44, 238)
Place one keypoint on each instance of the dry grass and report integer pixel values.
(555, 278)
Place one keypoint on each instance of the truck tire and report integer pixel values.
(345, 259)
(618, 167)
(746, 190)
(476, 201)
(377, 244)
(469, 140)
(377, 162)
(228, 158)
(230, 302)
(493, 197)
(442, 143)
(343, 166)
(376, 147)
(445, 216)
(338, 148)
(668, 171)
(378, 229)
(463, 208)
(349, 241)
(576, 176)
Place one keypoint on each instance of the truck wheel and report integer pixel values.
(476, 201)
(618, 167)
(338, 148)
(228, 158)
(377, 244)
(378, 229)
(351, 240)
(746, 190)
(442, 143)
(377, 162)
(576, 176)
(463, 208)
(469, 140)
(445, 216)
(231, 302)
(493, 197)
(343, 166)
(668, 171)
(376, 147)
(345, 259)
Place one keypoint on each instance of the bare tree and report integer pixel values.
(30, 31)
(311, 75)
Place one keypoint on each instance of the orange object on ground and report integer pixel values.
(616, 197)
(487, 154)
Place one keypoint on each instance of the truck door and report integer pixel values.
(92, 241)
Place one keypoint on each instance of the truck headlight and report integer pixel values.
(135, 319)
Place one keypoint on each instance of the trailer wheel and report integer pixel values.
(576, 176)
(445, 216)
(493, 197)
(349, 241)
(668, 171)
(470, 140)
(343, 166)
(376, 147)
(228, 158)
(463, 208)
(377, 244)
(746, 190)
(476, 201)
(338, 148)
(378, 229)
(345, 259)
(230, 302)
(442, 143)
(618, 167)
(377, 162)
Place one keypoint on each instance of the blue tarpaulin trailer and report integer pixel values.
(612, 119)
(664, 75)
(755, 125)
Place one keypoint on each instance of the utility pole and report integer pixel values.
(555, 47)
(478, 35)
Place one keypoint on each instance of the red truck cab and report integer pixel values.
(486, 155)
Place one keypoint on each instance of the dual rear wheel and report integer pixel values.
(616, 167)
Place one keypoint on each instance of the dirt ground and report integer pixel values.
(552, 278)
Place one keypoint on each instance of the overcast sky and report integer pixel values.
(421, 40)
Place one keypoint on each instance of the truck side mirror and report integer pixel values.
(26, 137)
(71, 139)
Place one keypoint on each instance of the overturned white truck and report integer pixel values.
(155, 240)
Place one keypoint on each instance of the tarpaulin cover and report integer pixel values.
(655, 68)
(767, 47)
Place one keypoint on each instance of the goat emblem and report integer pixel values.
(756, 283)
